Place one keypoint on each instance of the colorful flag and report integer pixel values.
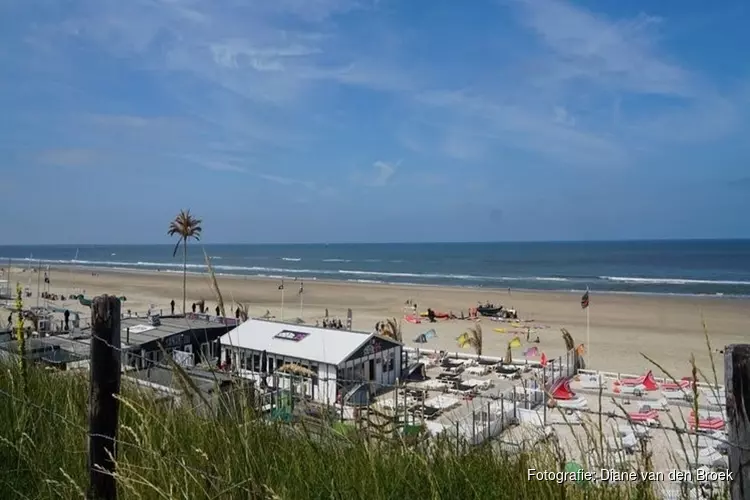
(585, 300)
(543, 361)
(463, 339)
(531, 352)
(581, 350)
(516, 342)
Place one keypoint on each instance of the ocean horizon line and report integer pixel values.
(327, 280)
(405, 243)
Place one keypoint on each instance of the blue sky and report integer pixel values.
(374, 120)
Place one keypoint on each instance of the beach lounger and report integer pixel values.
(713, 423)
(707, 457)
(658, 405)
(647, 382)
(478, 370)
(576, 403)
(707, 420)
(638, 430)
(591, 381)
(650, 418)
(626, 443)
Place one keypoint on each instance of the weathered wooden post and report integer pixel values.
(103, 405)
(737, 386)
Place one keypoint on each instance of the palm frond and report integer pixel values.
(244, 311)
(392, 329)
(475, 338)
(176, 247)
(186, 226)
(570, 345)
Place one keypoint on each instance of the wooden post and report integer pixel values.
(103, 406)
(737, 386)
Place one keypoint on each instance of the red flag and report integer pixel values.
(543, 361)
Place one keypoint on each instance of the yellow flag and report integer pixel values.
(516, 342)
(463, 339)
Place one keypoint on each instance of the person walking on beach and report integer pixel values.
(67, 318)
(172, 305)
(193, 307)
(218, 311)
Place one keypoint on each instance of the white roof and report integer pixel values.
(323, 345)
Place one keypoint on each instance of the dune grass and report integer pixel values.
(167, 452)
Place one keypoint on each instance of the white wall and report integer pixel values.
(323, 392)
(326, 390)
(381, 376)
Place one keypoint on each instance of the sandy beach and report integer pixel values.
(667, 328)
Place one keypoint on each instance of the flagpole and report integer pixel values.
(588, 331)
(282, 300)
(301, 301)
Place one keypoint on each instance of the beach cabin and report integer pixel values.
(189, 339)
(327, 365)
(60, 352)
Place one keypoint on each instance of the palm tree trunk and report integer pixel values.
(184, 275)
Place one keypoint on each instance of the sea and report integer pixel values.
(684, 267)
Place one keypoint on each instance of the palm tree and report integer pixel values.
(392, 329)
(570, 345)
(473, 338)
(185, 226)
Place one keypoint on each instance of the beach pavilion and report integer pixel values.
(329, 364)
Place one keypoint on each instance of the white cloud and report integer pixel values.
(257, 79)
(384, 172)
(618, 54)
(379, 175)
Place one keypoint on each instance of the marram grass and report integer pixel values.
(166, 453)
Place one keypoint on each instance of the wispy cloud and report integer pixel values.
(379, 175)
(302, 96)
(619, 54)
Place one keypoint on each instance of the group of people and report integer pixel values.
(335, 324)
(66, 321)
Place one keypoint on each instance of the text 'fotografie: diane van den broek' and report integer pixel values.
(613, 475)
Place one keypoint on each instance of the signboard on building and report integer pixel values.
(373, 346)
(290, 335)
